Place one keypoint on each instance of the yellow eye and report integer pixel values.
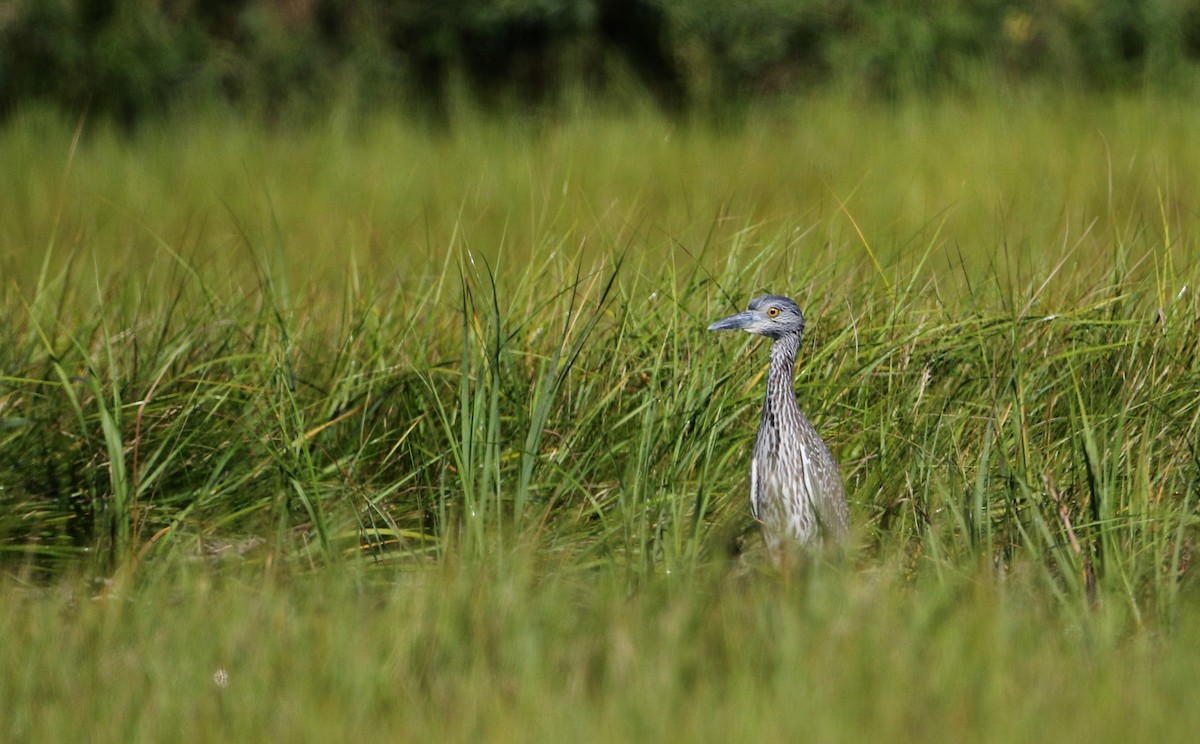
(772, 312)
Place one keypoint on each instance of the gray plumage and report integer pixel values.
(796, 490)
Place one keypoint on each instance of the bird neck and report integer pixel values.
(780, 375)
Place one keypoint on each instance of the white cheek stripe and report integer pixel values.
(754, 496)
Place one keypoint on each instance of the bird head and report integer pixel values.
(773, 316)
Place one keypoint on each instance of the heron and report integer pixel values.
(796, 491)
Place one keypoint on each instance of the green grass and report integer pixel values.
(549, 652)
(422, 433)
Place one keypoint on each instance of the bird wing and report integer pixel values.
(832, 515)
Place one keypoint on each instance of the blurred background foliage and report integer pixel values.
(132, 59)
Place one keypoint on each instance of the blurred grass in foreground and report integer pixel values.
(234, 354)
(552, 654)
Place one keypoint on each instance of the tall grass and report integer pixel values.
(547, 651)
(476, 362)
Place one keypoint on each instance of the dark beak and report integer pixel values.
(737, 322)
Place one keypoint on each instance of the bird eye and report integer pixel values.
(772, 312)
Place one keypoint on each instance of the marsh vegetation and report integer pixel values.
(358, 428)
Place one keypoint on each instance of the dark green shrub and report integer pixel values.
(130, 58)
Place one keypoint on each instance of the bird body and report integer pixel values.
(796, 491)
